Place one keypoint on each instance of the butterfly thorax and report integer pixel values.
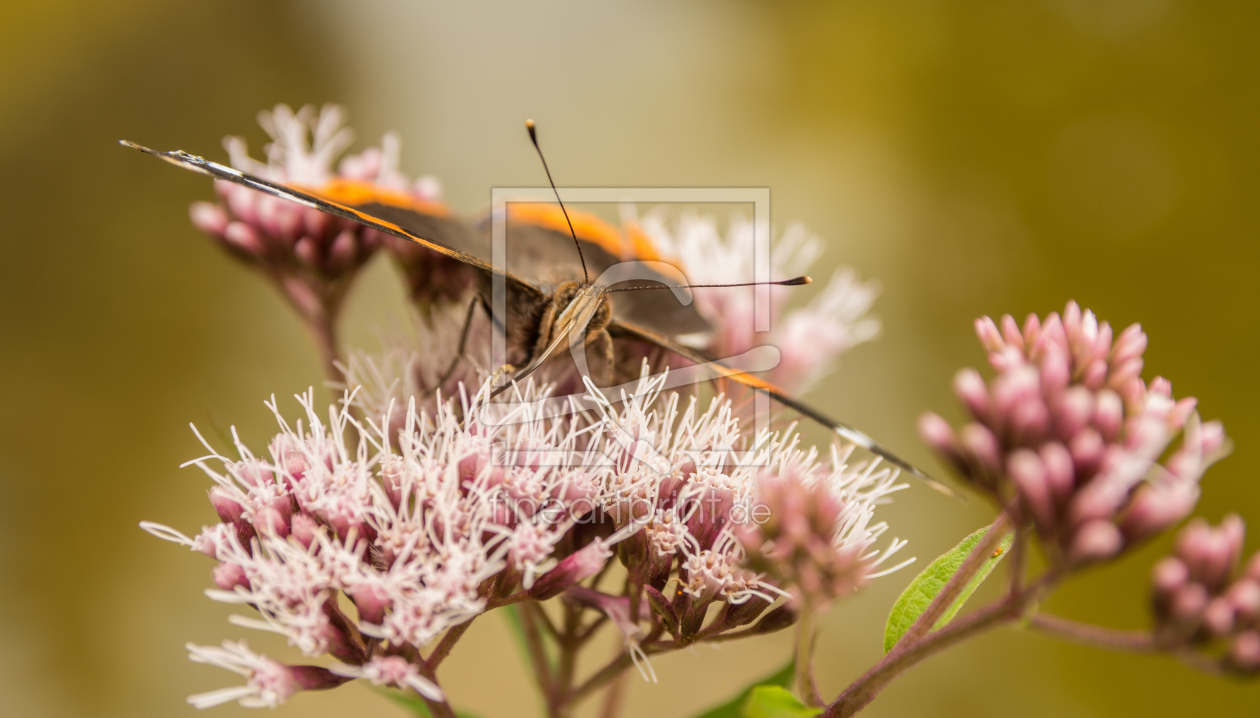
(576, 307)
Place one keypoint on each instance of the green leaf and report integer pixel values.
(513, 614)
(776, 702)
(414, 704)
(410, 703)
(734, 707)
(919, 594)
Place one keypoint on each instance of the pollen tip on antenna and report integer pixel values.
(799, 281)
(529, 125)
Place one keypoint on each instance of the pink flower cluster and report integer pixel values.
(1203, 597)
(425, 525)
(411, 530)
(310, 255)
(817, 532)
(702, 493)
(1070, 435)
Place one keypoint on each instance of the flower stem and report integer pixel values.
(910, 650)
(805, 656)
(538, 659)
(448, 642)
(863, 690)
(439, 709)
(1090, 635)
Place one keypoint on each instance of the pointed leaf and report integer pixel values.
(776, 702)
(734, 707)
(919, 594)
(412, 704)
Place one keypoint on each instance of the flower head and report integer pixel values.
(1204, 597)
(1070, 432)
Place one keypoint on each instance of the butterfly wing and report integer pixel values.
(382, 211)
(846, 432)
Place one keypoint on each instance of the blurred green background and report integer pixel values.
(977, 156)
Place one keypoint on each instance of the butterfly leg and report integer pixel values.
(463, 339)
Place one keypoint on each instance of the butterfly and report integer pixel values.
(543, 314)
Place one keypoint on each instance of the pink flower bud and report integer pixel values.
(1072, 320)
(1244, 653)
(1007, 360)
(1130, 345)
(1233, 529)
(1029, 474)
(1100, 499)
(315, 224)
(1182, 411)
(1052, 338)
(372, 603)
(208, 217)
(1253, 567)
(776, 620)
(978, 441)
(938, 434)
(1095, 374)
(574, 568)
(307, 252)
(1032, 330)
(1030, 421)
(1123, 375)
(1169, 575)
(228, 576)
(1019, 385)
(971, 390)
(1189, 603)
(242, 238)
(269, 521)
(1218, 617)
(226, 507)
(1155, 509)
(1244, 598)
(1095, 541)
(1059, 474)
(1087, 449)
(344, 251)
(304, 528)
(1011, 333)
(1056, 373)
(315, 678)
(989, 335)
(1108, 414)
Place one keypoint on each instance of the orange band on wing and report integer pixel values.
(355, 193)
(587, 226)
(641, 246)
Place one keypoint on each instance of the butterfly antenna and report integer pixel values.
(533, 137)
(793, 282)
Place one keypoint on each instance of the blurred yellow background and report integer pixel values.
(977, 156)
